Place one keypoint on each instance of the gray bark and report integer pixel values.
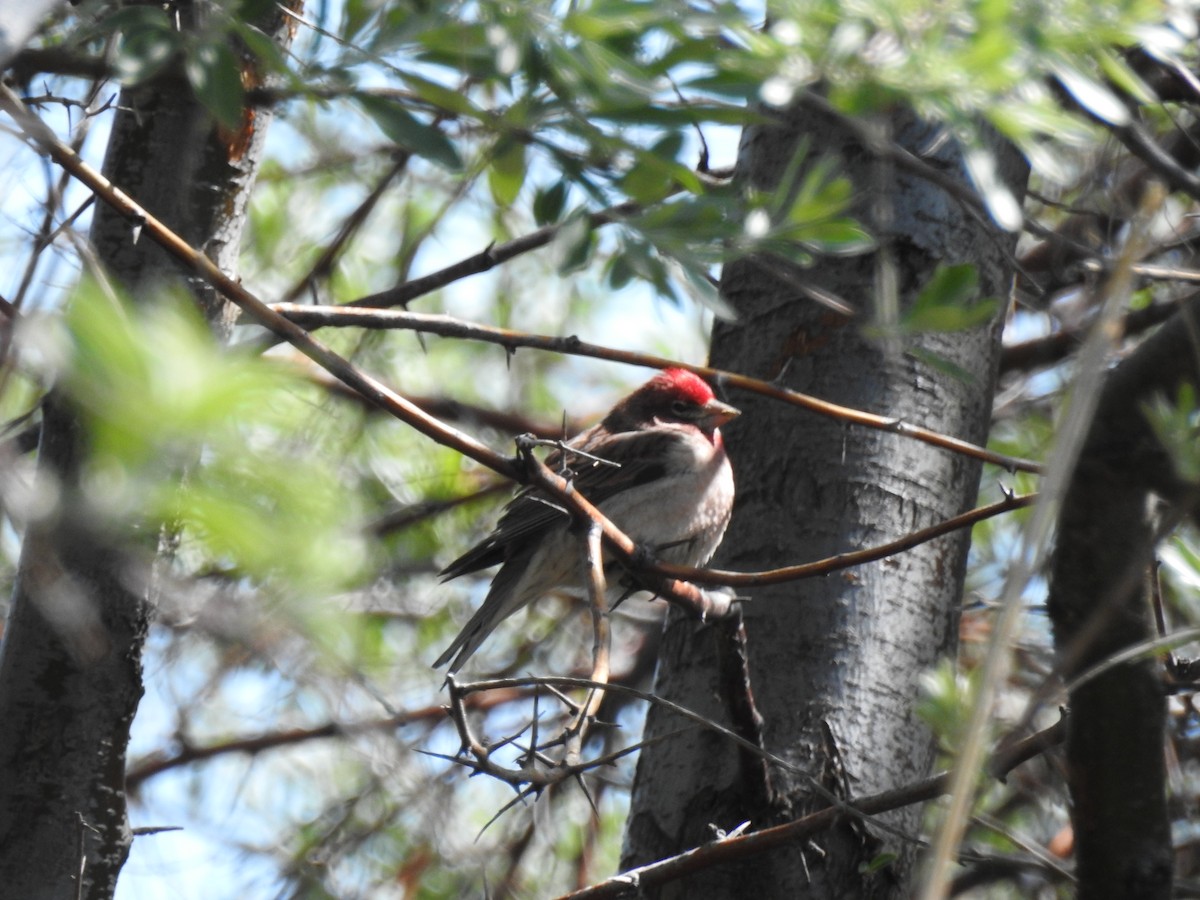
(834, 663)
(70, 663)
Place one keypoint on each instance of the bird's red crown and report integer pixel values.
(681, 381)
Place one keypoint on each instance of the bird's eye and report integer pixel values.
(681, 408)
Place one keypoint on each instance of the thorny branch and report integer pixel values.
(42, 137)
(593, 561)
(447, 326)
(155, 764)
(535, 773)
(744, 846)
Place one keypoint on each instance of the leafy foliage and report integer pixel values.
(159, 398)
(309, 539)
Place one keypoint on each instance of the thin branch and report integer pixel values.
(325, 262)
(146, 768)
(748, 845)
(1053, 348)
(843, 560)
(448, 326)
(378, 393)
(415, 513)
(593, 562)
(1141, 143)
(485, 260)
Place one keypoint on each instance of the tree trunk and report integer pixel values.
(834, 663)
(1099, 603)
(70, 664)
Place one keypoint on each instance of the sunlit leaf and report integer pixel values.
(506, 173)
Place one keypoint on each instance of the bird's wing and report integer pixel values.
(623, 461)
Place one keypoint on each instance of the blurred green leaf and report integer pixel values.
(411, 133)
(654, 172)
(159, 396)
(573, 245)
(439, 95)
(215, 74)
(506, 172)
(946, 302)
(1177, 427)
(147, 41)
(548, 203)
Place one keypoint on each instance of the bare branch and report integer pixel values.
(378, 393)
(447, 326)
(146, 768)
(749, 845)
(352, 223)
(843, 560)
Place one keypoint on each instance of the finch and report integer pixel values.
(655, 465)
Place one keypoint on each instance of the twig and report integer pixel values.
(447, 326)
(156, 764)
(486, 260)
(842, 560)
(748, 845)
(378, 393)
(593, 560)
(324, 263)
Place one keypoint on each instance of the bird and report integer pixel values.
(655, 465)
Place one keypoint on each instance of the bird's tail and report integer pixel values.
(508, 593)
(468, 640)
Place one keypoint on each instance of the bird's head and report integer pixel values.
(673, 395)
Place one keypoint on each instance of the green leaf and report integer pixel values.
(442, 97)
(506, 173)
(950, 285)
(942, 364)
(464, 47)
(840, 237)
(1177, 426)
(266, 51)
(654, 171)
(356, 15)
(620, 273)
(705, 292)
(215, 74)
(882, 861)
(410, 133)
(944, 304)
(548, 203)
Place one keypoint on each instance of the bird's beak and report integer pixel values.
(717, 413)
